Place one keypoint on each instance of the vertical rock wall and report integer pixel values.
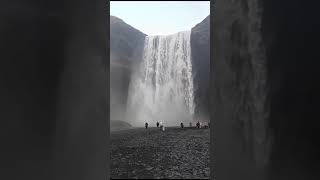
(200, 52)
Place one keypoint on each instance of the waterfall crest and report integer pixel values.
(162, 87)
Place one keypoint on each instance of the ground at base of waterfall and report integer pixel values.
(151, 153)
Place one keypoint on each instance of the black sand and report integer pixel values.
(151, 153)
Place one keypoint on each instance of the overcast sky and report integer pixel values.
(161, 17)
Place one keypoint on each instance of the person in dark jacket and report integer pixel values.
(146, 125)
(181, 125)
(157, 124)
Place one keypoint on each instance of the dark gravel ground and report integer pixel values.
(150, 153)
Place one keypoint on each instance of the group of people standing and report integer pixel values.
(158, 124)
(198, 125)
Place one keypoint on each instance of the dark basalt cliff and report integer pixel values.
(265, 86)
(126, 41)
(126, 48)
(200, 51)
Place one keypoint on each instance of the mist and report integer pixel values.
(161, 88)
(119, 82)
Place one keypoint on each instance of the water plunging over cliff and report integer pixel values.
(162, 87)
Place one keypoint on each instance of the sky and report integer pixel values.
(161, 17)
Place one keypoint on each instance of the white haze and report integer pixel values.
(161, 89)
(117, 74)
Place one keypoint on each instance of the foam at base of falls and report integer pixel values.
(162, 88)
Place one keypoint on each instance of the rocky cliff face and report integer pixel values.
(200, 51)
(126, 47)
(126, 41)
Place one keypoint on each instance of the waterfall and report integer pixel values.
(161, 89)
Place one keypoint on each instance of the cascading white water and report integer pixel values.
(162, 88)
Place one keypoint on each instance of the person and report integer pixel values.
(162, 126)
(198, 124)
(146, 125)
(181, 125)
(157, 124)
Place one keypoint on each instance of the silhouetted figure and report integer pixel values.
(181, 125)
(146, 125)
(198, 124)
(157, 124)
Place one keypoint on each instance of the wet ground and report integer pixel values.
(151, 153)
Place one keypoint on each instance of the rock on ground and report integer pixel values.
(151, 153)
